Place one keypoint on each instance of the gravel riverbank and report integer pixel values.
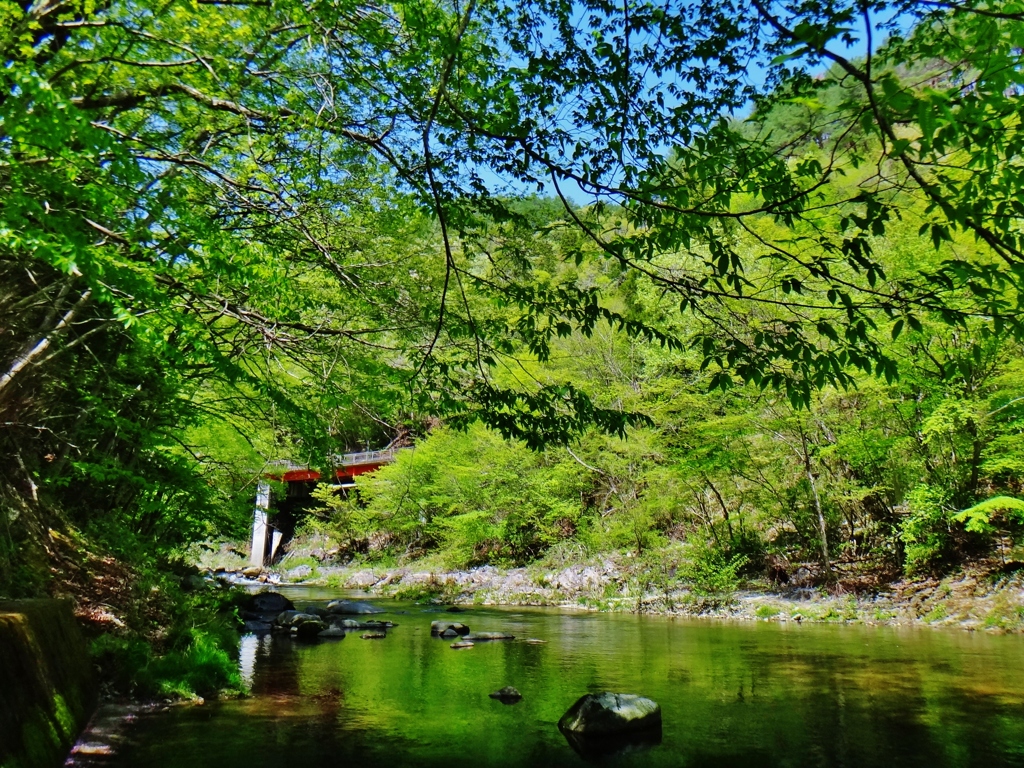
(979, 598)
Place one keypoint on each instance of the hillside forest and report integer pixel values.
(728, 288)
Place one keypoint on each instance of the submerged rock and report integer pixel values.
(611, 714)
(257, 626)
(477, 636)
(507, 695)
(461, 644)
(374, 636)
(333, 632)
(352, 607)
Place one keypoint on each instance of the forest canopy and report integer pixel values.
(232, 231)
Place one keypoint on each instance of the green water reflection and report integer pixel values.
(732, 694)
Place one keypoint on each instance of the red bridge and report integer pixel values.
(347, 467)
(301, 481)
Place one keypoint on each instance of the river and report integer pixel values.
(732, 694)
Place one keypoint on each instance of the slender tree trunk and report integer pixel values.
(706, 514)
(722, 504)
(35, 349)
(976, 448)
(817, 504)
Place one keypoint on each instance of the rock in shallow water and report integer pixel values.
(440, 627)
(353, 624)
(477, 636)
(611, 714)
(507, 695)
(308, 630)
(294, 618)
(353, 607)
(460, 645)
(269, 602)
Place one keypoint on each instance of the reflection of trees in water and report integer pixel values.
(271, 666)
(248, 646)
(276, 672)
(737, 696)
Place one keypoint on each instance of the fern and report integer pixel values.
(979, 517)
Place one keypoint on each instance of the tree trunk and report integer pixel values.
(35, 349)
(722, 504)
(817, 504)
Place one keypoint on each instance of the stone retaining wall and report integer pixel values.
(47, 686)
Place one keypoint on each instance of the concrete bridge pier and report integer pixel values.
(259, 525)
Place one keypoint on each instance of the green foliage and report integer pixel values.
(938, 613)
(712, 577)
(434, 590)
(472, 495)
(201, 668)
(1005, 615)
(978, 519)
(195, 655)
(927, 530)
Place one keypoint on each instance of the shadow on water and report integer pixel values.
(602, 749)
(732, 694)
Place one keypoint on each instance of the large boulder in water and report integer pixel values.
(611, 714)
(352, 607)
(269, 602)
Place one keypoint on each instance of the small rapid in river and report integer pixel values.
(731, 694)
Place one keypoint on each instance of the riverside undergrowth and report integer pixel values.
(156, 628)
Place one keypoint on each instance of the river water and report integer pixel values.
(732, 694)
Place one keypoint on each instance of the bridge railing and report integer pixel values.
(366, 457)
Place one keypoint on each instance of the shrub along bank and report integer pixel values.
(153, 628)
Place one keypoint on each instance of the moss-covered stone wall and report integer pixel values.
(47, 686)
